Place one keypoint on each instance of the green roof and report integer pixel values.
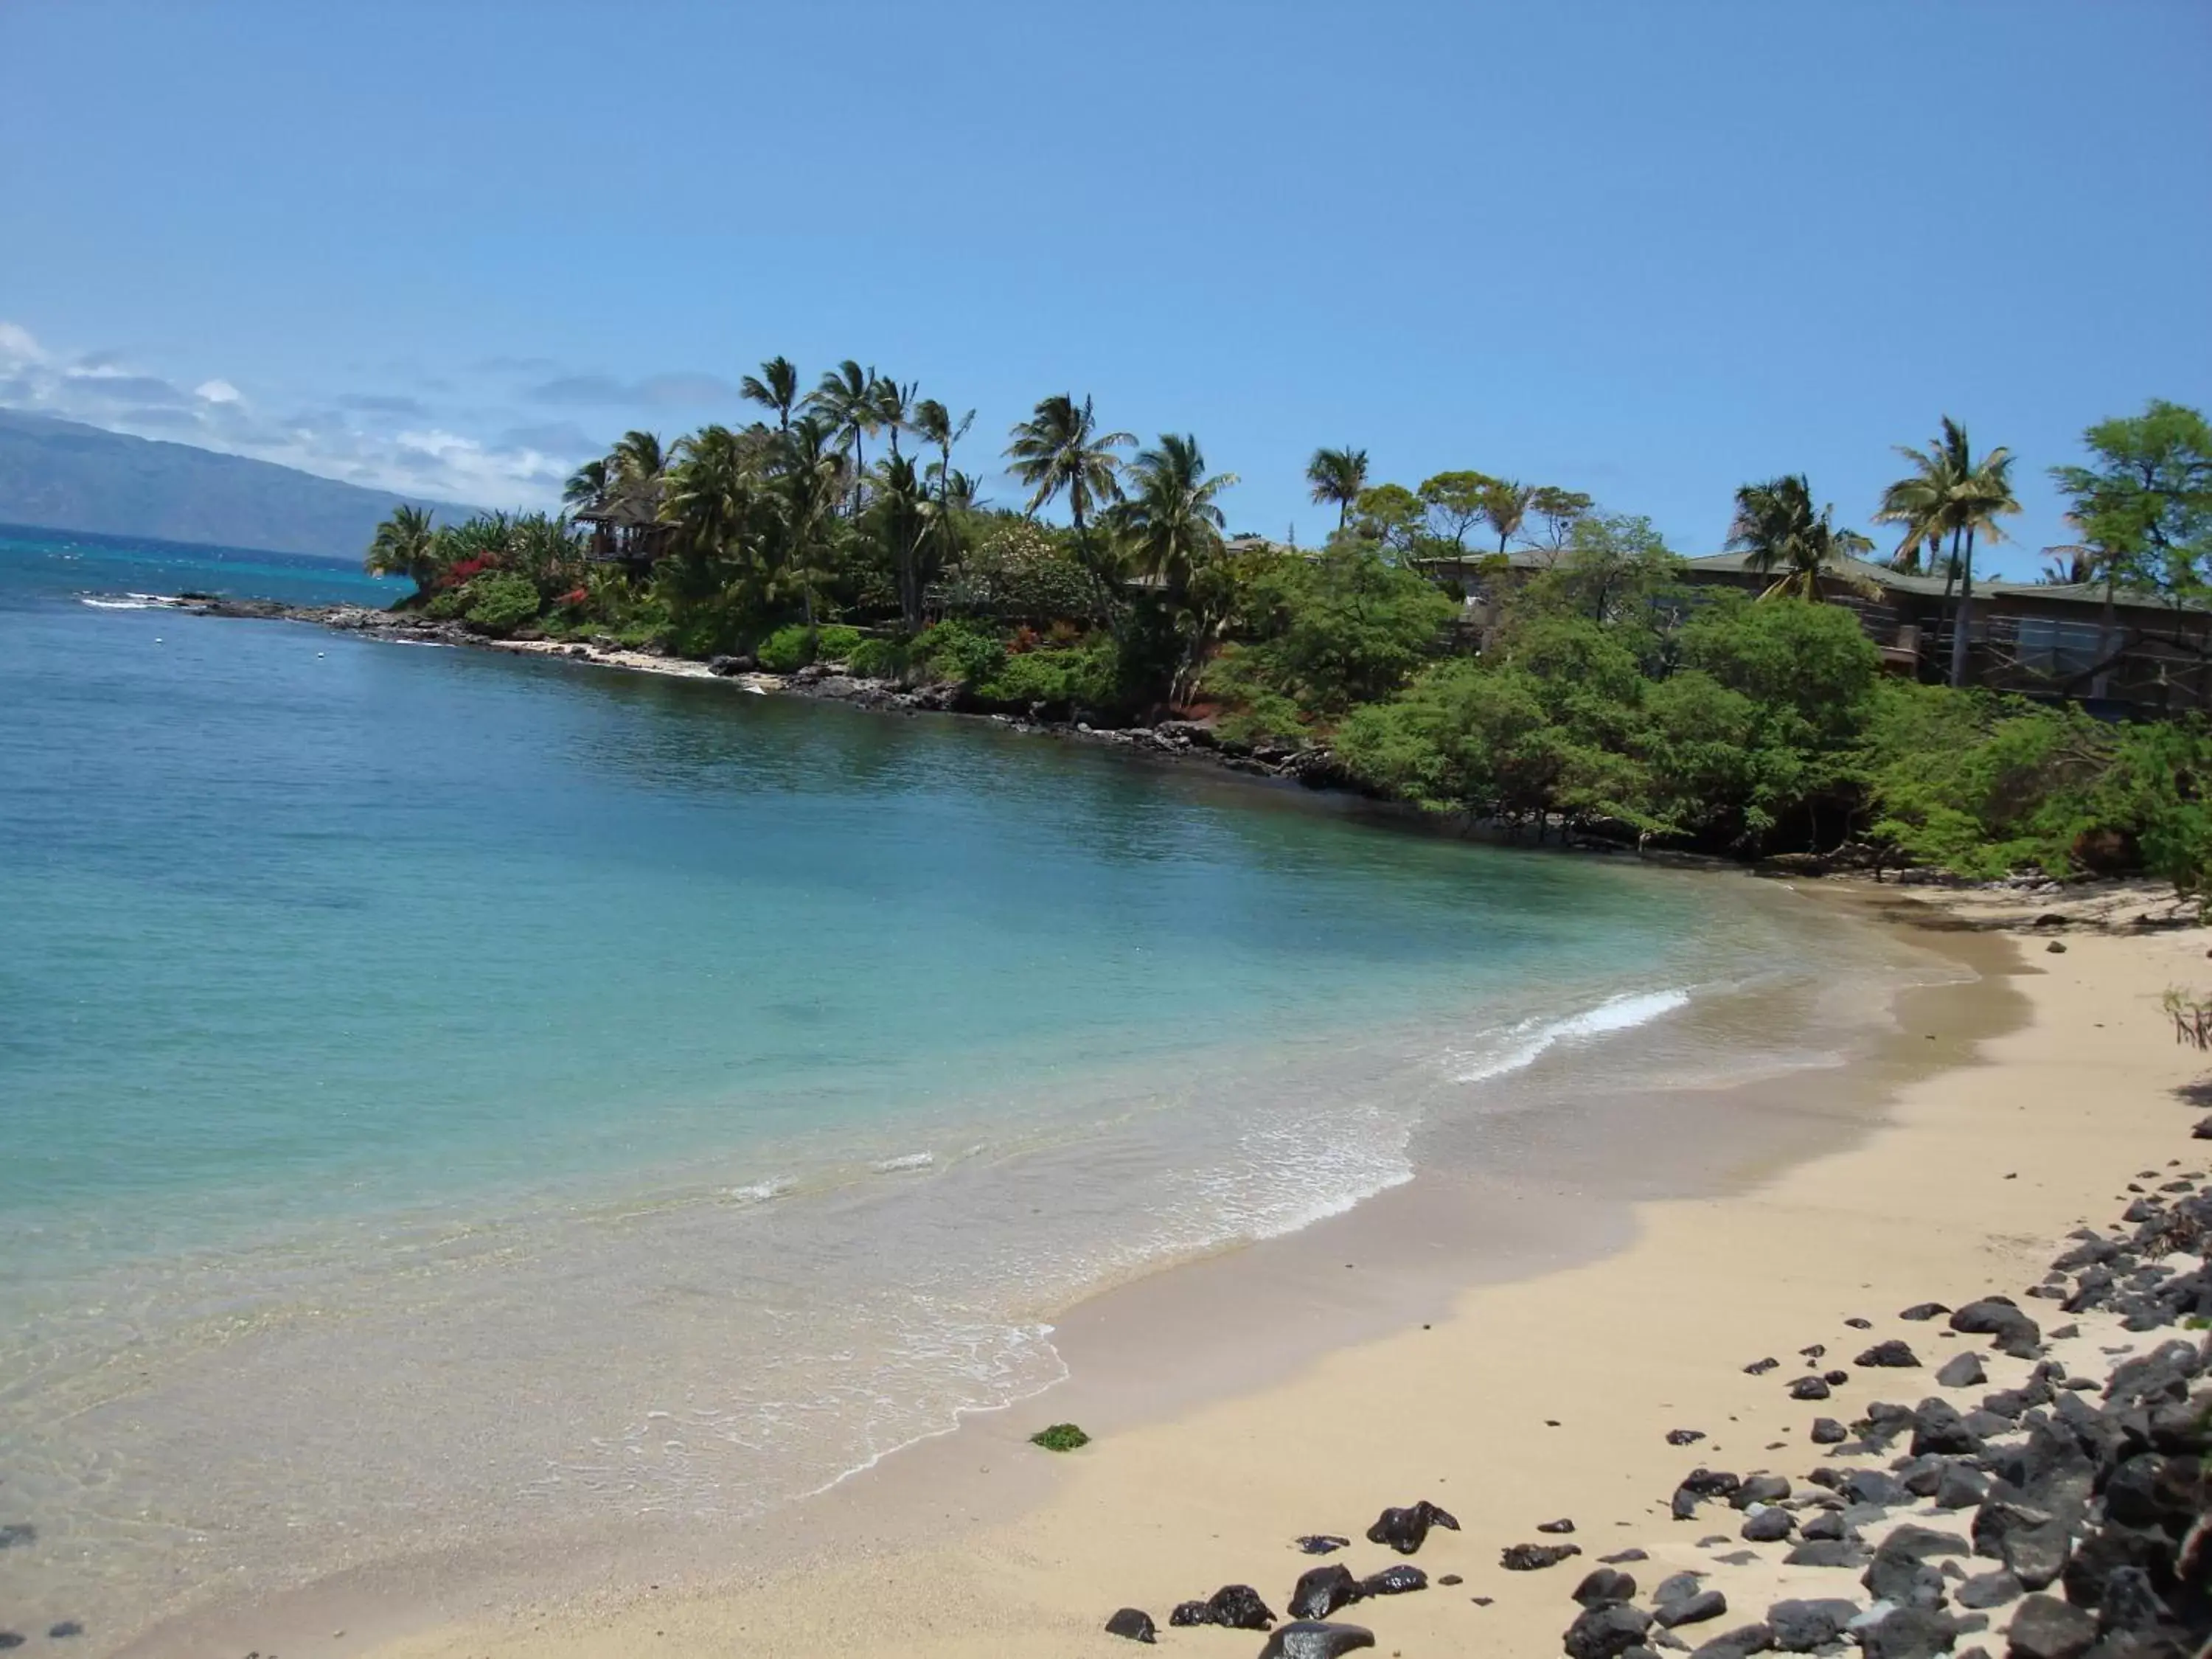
(2089, 594)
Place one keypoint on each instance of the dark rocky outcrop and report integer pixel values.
(1400, 1580)
(1308, 1638)
(1803, 1627)
(1133, 1623)
(1404, 1530)
(1701, 1607)
(1322, 1591)
(1534, 1557)
(2047, 1628)
(1607, 1631)
(1605, 1584)
(1893, 1354)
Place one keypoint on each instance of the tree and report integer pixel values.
(1338, 475)
(847, 398)
(934, 424)
(1561, 510)
(1506, 507)
(634, 466)
(810, 479)
(1454, 501)
(894, 405)
(2148, 504)
(1949, 494)
(1167, 519)
(1616, 570)
(587, 484)
(902, 509)
(774, 388)
(406, 545)
(1777, 528)
(1059, 451)
(1392, 515)
(1341, 627)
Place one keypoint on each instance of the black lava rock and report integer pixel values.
(1603, 1584)
(1761, 1367)
(1770, 1526)
(1802, 1626)
(1606, 1631)
(1938, 1429)
(1908, 1634)
(2016, 1333)
(1322, 1591)
(1988, 1589)
(1759, 1489)
(1892, 1353)
(1310, 1638)
(1395, 1581)
(1190, 1612)
(1827, 1431)
(1133, 1623)
(1826, 1552)
(1921, 1311)
(2046, 1628)
(1700, 1609)
(1322, 1543)
(1556, 1528)
(1902, 1577)
(1534, 1558)
(1962, 1487)
(1238, 1607)
(1685, 1436)
(1737, 1644)
(1962, 1370)
(1403, 1531)
(1808, 1388)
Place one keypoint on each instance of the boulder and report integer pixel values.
(1556, 1528)
(1827, 1431)
(1937, 1428)
(1998, 1316)
(1685, 1436)
(1607, 1631)
(1238, 1607)
(1962, 1487)
(1190, 1612)
(1826, 1552)
(1604, 1584)
(1828, 1523)
(1759, 1489)
(1893, 1354)
(1802, 1626)
(1920, 1312)
(1395, 1581)
(1769, 1525)
(2132, 1604)
(2151, 1491)
(1872, 1487)
(1761, 1367)
(1677, 1587)
(1962, 1370)
(1322, 1590)
(1534, 1557)
(1711, 1483)
(2108, 1550)
(2047, 1628)
(1311, 1639)
(1135, 1623)
(1908, 1634)
(2036, 1555)
(1902, 1578)
(1695, 1610)
(1988, 1589)
(1737, 1644)
(1808, 1388)
(1403, 1531)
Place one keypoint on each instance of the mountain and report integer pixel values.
(68, 476)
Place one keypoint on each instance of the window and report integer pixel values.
(2058, 649)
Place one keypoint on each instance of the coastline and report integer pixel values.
(1212, 1452)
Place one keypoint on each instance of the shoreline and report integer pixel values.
(1143, 1358)
(1618, 1347)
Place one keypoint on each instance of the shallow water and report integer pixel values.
(444, 1092)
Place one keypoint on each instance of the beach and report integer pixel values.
(1546, 1394)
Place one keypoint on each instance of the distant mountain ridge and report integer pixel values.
(66, 476)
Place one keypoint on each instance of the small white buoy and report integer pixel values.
(318, 653)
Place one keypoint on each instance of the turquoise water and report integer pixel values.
(380, 1027)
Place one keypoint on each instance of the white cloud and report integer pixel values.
(377, 439)
(17, 345)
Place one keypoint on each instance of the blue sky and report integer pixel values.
(1648, 251)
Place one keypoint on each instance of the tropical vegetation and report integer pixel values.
(1594, 693)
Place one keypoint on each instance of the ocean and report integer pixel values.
(444, 1092)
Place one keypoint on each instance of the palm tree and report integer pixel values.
(1948, 494)
(1338, 475)
(894, 405)
(903, 505)
(635, 464)
(1059, 451)
(1776, 526)
(846, 396)
(586, 484)
(406, 545)
(934, 424)
(1172, 528)
(776, 387)
(811, 479)
(1506, 507)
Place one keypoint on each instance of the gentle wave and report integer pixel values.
(760, 1191)
(1530, 1040)
(910, 1161)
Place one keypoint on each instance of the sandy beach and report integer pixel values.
(1546, 1395)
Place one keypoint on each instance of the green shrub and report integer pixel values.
(447, 604)
(959, 651)
(787, 650)
(1062, 678)
(836, 643)
(877, 659)
(501, 601)
(1060, 1437)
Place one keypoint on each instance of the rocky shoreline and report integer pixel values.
(2046, 1497)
